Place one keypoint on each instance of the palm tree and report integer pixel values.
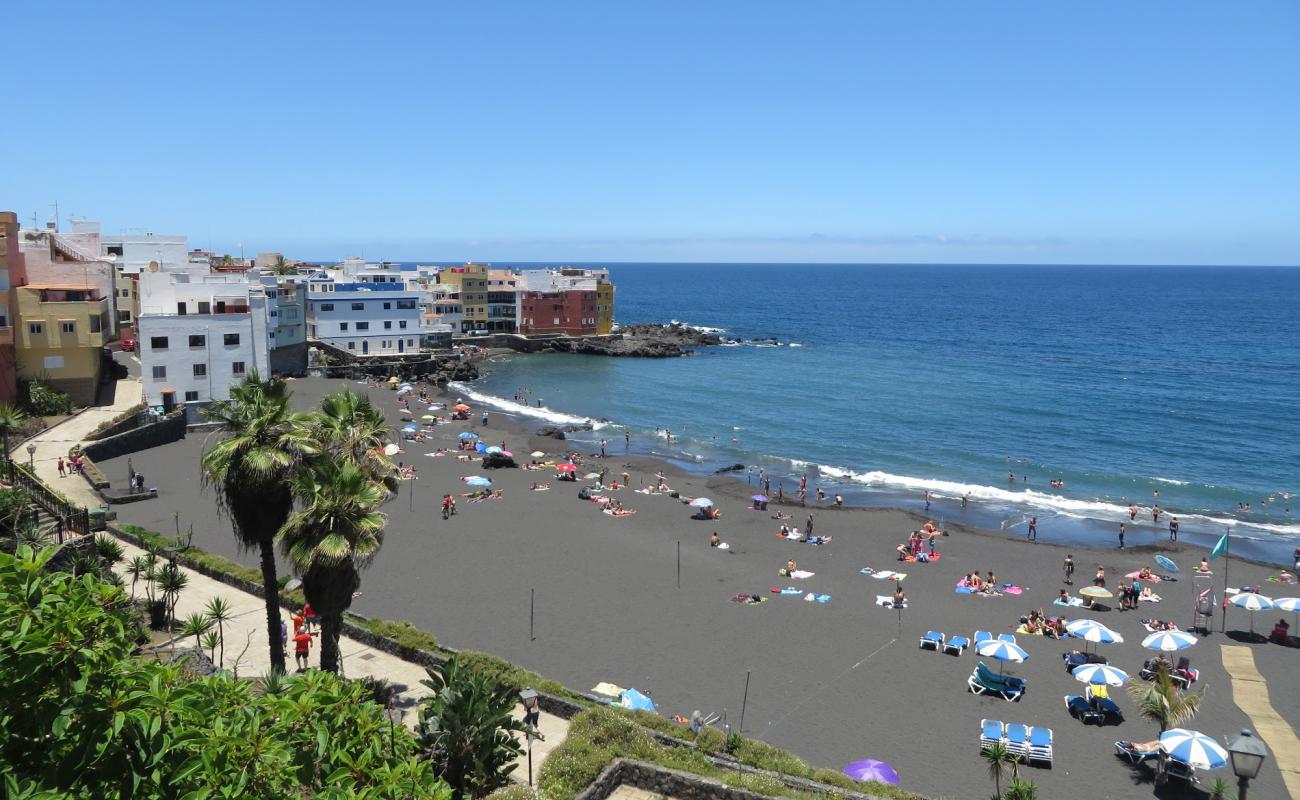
(251, 472)
(282, 267)
(1163, 703)
(196, 625)
(349, 426)
(336, 533)
(171, 581)
(11, 423)
(136, 569)
(999, 758)
(218, 611)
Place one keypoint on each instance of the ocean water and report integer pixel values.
(887, 381)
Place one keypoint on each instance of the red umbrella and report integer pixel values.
(566, 468)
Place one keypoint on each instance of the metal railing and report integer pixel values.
(71, 517)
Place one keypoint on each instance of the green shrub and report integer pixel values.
(764, 756)
(711, 739)
(401, 631)
(514, 792)
(14, 506)
(44, 401)
(516, 677)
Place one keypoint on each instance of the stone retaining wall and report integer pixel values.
(170, 428)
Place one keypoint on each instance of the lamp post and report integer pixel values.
(31, 457)
(531, 717)
(1247, 754)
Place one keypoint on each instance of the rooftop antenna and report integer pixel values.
(56, 215)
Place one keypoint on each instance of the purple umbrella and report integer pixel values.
(872, 770)
(759, 498)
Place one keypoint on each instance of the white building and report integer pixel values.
(371, 317)
(199, 335)
(131, 253)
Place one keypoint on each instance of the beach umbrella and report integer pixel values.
(1003, 652)
(870, 769)
(762, 498)
(478, 480)
(507, 453)
(1100, 634)
(1077, 626)
(493, 449)
(566, 468)
(1096, 592)
(537, 454)
(460, 407)
(1193, 748)
(411, 427)
(631, 698)
(1289, 604)
(467, 435)
(591, 476)
(429, 417)
(1165, 563)
(701, 502)
(1169, 641)
(1099, 675)
(403, 390)
(391, 449)
(1251, 602)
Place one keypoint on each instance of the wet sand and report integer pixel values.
(833, 682)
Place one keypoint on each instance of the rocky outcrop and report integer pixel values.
(637, 341)
(732, 468)
(498, 461)
(550, 431)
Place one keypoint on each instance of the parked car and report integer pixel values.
(128, 345)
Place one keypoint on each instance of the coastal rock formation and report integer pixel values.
(652, 340)
(550, 431)
(732, 468)
(498, 461)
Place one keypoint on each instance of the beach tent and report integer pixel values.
(631, 698)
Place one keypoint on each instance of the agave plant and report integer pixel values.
(196, 625)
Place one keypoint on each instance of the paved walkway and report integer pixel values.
(247, 653)
(1250, 693)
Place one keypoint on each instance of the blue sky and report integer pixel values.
(1099, 132)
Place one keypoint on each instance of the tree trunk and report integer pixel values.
(330, 627)
(271, 588)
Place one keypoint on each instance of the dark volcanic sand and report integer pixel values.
(833, 682)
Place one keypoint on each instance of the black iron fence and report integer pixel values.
(71, 517)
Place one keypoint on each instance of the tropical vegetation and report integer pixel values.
(12, 421)
(1161, 701)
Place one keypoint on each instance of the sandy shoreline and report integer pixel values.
(832, 681)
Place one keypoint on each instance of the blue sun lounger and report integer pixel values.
(1132, 755)
(932, 640)
(956, 645)
(991, 733)
(985, 681)
(981, 637)
(1018, 739)
(1040, 745)
(1007, 637)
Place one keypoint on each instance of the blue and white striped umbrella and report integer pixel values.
(1099, 675)
(1193, 748)
(1076, 626)
(1100, 634)
(1003, 651)
(1251, 601)
(1168, 641)
(477, 480)
(493, 450)
(1287, 603)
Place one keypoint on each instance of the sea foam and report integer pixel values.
(510, 406)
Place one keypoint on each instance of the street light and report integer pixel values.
(531, 717)
(1247, 754)
(31, 457)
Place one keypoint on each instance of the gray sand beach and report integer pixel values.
(833, 682)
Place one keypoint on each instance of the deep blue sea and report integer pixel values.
(889, 380)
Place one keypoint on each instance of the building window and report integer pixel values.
(388, 325)
(157, 342)
(231, 339)
(180, 308)
(67, 326)
(352, 345)
(358, 306)
(123, 317)
(198, 340)
(313, 330)
(205, 307)
(405, 304)
(123, 292)
(35, 327)
(159, 373)
(401, 323)
(343, 326)
(191, 397)
(363, 326)
(410, 343)
(237, 367)
(200, 370)
(326, 306)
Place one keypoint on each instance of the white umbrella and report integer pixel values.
(1002, 651)
(1193, 748)
(537, 454)
(1099, 674)
(391, 449)
(1251, 602)
(1169, 641)
(701, 502)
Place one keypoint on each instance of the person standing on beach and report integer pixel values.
(602, 448)
(63, 468)
(1068, 566)
(1173, 529)
(927, 499)
(1033, 529)
(965, 500)
(1121, 536)
(1132, 512)
(627, 441)
(810, 525)
(1155, 515)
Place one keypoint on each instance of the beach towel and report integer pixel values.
(1146, 623)
(787, 590)
(866, 571)
(724, 546)
(889, 575)
(887, 600)
(747, 599)
(802, 574)
(1149, 598)
(1073, 601)
(1011, 588)
(820, 598)
(964, 589)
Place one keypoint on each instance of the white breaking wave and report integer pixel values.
(512, 407)
(1088, 509)
(700, 328)
(1170, 481)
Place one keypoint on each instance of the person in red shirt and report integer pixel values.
(312, 620)
(302, 646)
(299, 622)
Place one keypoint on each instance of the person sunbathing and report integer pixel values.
(973, 581)
(780, 515)
(539, 487)
(903, 551)
(990, 583)
(1152, 746)
(1144, 573)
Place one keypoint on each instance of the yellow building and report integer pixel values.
(61, 330)
(604, 307)
(471, 282)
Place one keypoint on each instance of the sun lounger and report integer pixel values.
(1083, 711)
(1018, 739)
(956, 645)
(887, 601)
(991, 733)
(1040, 745)
(981, 637)
(985, 681)
(1109, 710)
(1180, 770)
(932, 640)
(1133, 755)
(1007, 637)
